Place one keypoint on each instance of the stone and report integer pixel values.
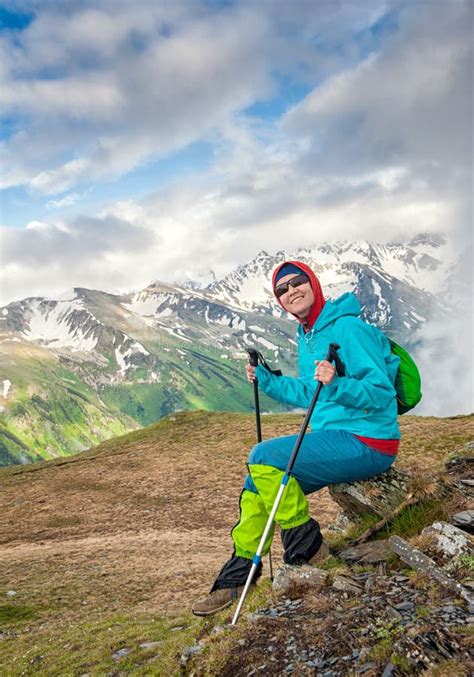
(449, 540)
(346, 584)
(464, 520)
(10, 593)
(393, 614)
(289, 574)
(151, 645)
(340, 524)
(191, 651)
(367, 553)
(120, 653)
(378, 495)
(389, 670)
(421, 562)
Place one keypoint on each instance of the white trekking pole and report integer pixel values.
(331, 356)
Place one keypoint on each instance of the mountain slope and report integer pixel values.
(107, 549)
(136, 357)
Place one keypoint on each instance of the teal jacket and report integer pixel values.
(363, 401)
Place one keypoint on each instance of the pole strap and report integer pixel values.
(264, 363)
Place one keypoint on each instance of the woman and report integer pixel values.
(354, 430)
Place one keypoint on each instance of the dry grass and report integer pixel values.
(140, 525)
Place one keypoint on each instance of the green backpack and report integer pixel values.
(407, 381)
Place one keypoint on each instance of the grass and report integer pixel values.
(107, 549)
(12, 614)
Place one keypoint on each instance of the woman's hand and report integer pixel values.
(325, 371)
(250, 373)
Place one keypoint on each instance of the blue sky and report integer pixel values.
(211, 130)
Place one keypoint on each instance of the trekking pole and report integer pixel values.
(331, 356)
(253, 361)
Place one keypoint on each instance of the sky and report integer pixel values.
(164, 139)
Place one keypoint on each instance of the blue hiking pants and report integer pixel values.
(325, 457)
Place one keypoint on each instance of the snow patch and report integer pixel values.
(54, 324)
(123, 356)
(6, 388)
(267, 344)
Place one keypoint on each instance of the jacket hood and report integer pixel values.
(346, 304)
(319, 299)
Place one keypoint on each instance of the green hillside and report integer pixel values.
(54, 411)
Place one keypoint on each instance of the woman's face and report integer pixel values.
(297, 300)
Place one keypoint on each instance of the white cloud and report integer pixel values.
(111, 88)
(66, 201)
(377, 149)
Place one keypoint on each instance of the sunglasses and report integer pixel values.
(296, 281)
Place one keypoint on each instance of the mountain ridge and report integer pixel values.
(143, 354)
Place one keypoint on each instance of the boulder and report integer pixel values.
(449, 540)
(367, 553)
(378, 495)
(417, 559)
(287, 575)
(464, 520)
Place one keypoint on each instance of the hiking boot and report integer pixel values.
(216, 601)
(322, 554)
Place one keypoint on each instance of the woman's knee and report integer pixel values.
(256, 454)
(267, 452)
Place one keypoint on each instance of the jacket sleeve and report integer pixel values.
(296, 392)
(367, 384)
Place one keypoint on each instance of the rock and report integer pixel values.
(189, 652)
(464, 520)
(449, 540)
(151, 645)
(421, 562)
(393, 614)
(10, 593)
(464, 462)
(288, 574)
(400, 579)
(121, 653)
(367, 553)
(346, 584)
(378, 495)
(340, 524)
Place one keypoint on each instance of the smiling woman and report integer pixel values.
(354, 431)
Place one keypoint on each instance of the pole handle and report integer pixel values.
(253, 356)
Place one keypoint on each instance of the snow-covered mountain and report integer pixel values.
(141, 355)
